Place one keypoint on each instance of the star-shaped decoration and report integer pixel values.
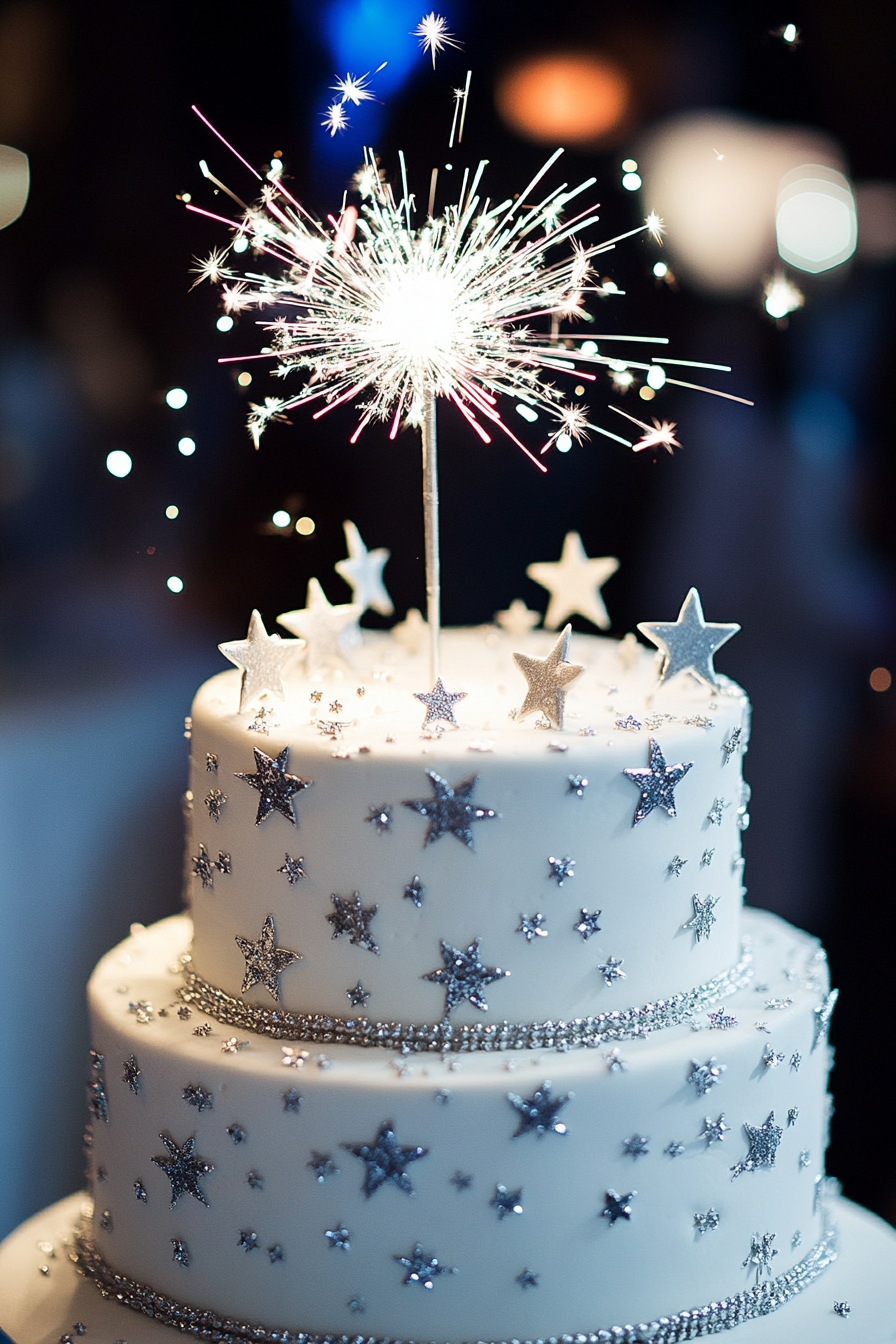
(587, 924)
(293, 869)
(574, 582)
(463, 976)
(254, 1180)
(796, 1060)
(248, 1240)
(822, 1017)
(716, 812)
(517, 620)
(617, 1206)
(450, 811)
(461, 1180)
(385, 1161)
(657, 783)
(763, 1140)
(561, 869)
(380, 818)
(197, 1096)
(635, 1145)
(357, 1305)
(214, 801)
(576, 784)
(358, 996)
(323, 1166)
(842, 1309)
(236, 1133)
(527, 1279)
(610, 969)
(352, 918)
(412, 633)
(771, 1058)
(132, 1074)
(439, 703)
(203, 867)
(702, 919)
(179, 1252)
(506, 1202)
(532, 926)
(707, 1222)
(264, 960)
(805, 1159)
(538, 1113)
(331, 632)
(614, 1061)
(732, 743)
(183, 1168)
(422, 1267)
(688, 644)
(703, 1077)
(547, 680)
(292, 1100)
(275, 787)
(414, 891)
(706, 858)
(675, 865)
(140, 1192)
(719, 1020)
(762, 1253)
(363, 572)
(223, 863)
(674, 1149)
(262, 658)
(339, 1238)
(275, 1253)
(793, 1115)
(714, 1131)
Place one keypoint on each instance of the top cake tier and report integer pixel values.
(379, 873)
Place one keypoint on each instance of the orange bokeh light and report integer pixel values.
(568, 97)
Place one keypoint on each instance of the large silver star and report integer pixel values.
(547, 680)
(264, 960)
(450, 811)
(274, 785)
(463, 976)
(689, 643)
(331, 632)
(763, 1141)
(538, 1113)
(385, 1161)
(363, 571)
(183, 1168)
(574, 582)
(353, 918)
(439, 703)
(657, 783)
(262, 658)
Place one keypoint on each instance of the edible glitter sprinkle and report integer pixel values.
(842, 1309)
(140, 1192)
(614, 1061)
(292, 1101)
(203, 867)
(822, 1017)
(576, 784)
(719, 1020)
(792, 1116)
(211, 763)
(706, 858)
(527, 1279)
(771, 1058)
(275, 1254)
(707, 1222)
(714, 815)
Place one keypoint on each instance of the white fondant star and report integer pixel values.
(329, 631)
(574, 582)
(262, 658)
(411, 633)
(688, 644)
(363, 571)
(517, 620)
(547, 680)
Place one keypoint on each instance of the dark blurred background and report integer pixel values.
(114, 591)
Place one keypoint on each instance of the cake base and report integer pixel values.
(39, 1308)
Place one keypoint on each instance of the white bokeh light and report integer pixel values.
(176, 398)
(815, 219)
(119, 463)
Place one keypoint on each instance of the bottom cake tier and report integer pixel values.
(520, 1195)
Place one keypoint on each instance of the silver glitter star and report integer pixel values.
(180, 1254)
(547, 680)
(527, 1279)
(532, 926)
(796, 1240)
(762, 1253)
(610, 971)
(675, 865)
(358, 996)
(422, 1267)
(771, 1058)
(657, 783)
(353, 918)
(614, 1061)
(705, 1076)
(384, 1161)
(463, 976)
(822, 1017)
(714, 815)
(707, 1222)
(224, 864)
(506, 1201)
(792, 1116)
(140, 1192)
(203, 868)
(439, 703)
(262, 658)
(842, 1309)
(363, 572)
(183, 1168)
(719, 1020)
(275, 1254)
(211, 763)
(339, 1238)
(380, 818)
(805, 1159)
(561, 869)
(574, 582)
(450, 811)
(214, 801)
(706, 858)
(763, 1140)
(264, 960)
(577, 784)
(731, 743)
(292, 1101)
(587, 924)
(461, 1181)
(132, 1074)
(331, 632)
(254, 1180)
(538, 1113)
(617, 1206)
(689, 643)
(323, 1166)
(628, 725)
(714, 1131)
(796, 1060)
(414, 891)
(236, 1133)
(703, 918)
(635, 1146)
(357, 1305)
(275, 787)
(674, 1149)
(293, 869)
(248, 1240)
(197, 1096)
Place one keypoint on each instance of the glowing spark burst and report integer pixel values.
(354, 90)
(781, 296)
(432, 30)
(212, 269)
(655, 227)
(661, 434)
(335, 119)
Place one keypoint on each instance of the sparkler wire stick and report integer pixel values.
(431, 531)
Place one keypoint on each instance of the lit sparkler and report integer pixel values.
(432, 30)
(335, 119)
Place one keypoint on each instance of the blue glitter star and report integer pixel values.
(183, 1168)
(197, 1096)
(532, 926)
(617, 1206)
(463, 976)
(538, 1113)
(384, 1161)
(275, 787)
(561, 869)
(587, 925)
(422, 1267)
(506, 1201)
(323, 1166)
(450, 811)
(657, 783)
(527, 1279)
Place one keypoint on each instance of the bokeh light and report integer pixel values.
(281, 518)
(174, 584)
(176, 398)
(225, 322)
(172, 511)
(186, 446)
(572, 98)
(244, 378)
(119, 463)
(305, 526)
(881, 679)
(815, 218)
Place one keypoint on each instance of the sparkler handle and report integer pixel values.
(431, 532)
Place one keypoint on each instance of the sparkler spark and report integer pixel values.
(335, 119)
(432, 30)
(354, 90)
(661, 434)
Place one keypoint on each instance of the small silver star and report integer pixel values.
(703, 918)
(422, 1267)
(363, 572)
(719, 1020)
(131, 1074)
(293, 869)
(762, 1253)
(224, 864)
(232, 1046)
(414, 891)
(628, 725)
(796, 1060)
(506, 1201)
(674, 1149)
(635, 1145)
(439, 703)
(574, 582)
(262, 658)
(731, 743)
(236, 1133)
(353, 918)
(255, 1180)
(617, 1206)
(275, 1254)
(707, 1222)
(450, 810)
(705, 1076)
(380, 818)
(610, 971)
(657, 783)
(763, 1145)
(330, 631)
(357, 1305)
(323, 1166)
(577, 784)
(214, 801)
(463, 976)
(385, 1161)
(822, 1017)
(714, 1131)
(770, 1057)
(532, 926)
(183, 1168)
(676, 863)
(275, 787)
(140, 1192)
(197, 1096)
(527, 1279)
(180, 1254)
(706, 858)
(793, 1115)
(842, 1309)
(248, 1241)
(292, 1100)
(260, 723)
(358, 996)
(547, 680)
(443, 1096)
(538, 1113)
(339, 1238)
(203, 868)
(587, 924)
(805, 1159)
(714, 815)
(561, 869)
(614, 1061)
(688, 644)
(461, 1181)
(264, 960)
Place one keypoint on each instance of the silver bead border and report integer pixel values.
(697, 1323)
(323, 1029)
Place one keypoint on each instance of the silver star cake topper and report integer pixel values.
(275, 786)
(463, 976)
(657, 783)
(363, 572)
(547, 680)
(688, 644)
(264, 960)
(262, 658)
(331, 632)
(574, 582)
(439, 703)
